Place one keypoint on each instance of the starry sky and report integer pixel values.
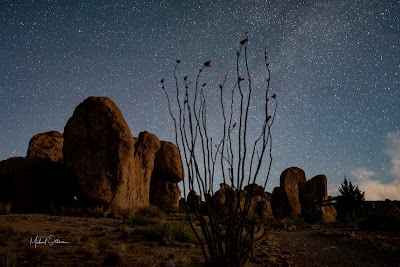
(335, 68)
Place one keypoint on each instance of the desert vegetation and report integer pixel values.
(230, 231)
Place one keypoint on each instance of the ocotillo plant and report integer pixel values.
(227, 235)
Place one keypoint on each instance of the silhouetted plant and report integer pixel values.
(350, 201)
(230, 236)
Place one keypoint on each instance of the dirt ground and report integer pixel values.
(341, 247)
(77, 241)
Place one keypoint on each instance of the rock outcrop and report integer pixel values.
(260, 204)
(298, 197)
(167, 173)
(112, 168)
(314, 192)
(291, 181)
(35, 185)
(193, 200)
(46, 145)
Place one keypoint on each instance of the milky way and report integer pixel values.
(335, 68)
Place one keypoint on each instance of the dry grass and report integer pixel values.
(95, 241)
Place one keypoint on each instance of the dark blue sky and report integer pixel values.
(335, 67)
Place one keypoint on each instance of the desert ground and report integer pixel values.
(167, 240)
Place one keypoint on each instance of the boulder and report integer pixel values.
(167, 172)
(222, 196)
(328, 214)
(312, 194)
(46, 145)
(112, 169)
(260, 201)
(35, 185)
(260, 204)
(291, 182)
(164, 193)
(193, 201)
(255, 189)
(168, 164)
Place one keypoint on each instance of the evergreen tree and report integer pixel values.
(350, 200)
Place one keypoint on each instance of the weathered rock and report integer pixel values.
(260, 202)
(164, 193)
(291, 182)
(193, 200)
(261, 206)
(168, 164)
(46, 145)
(313, 193)
(34, 185)
(328, 214)
(255, 189)
(167, 172)
(112, 168)
(220, 198)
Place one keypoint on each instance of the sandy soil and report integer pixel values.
(98, 242)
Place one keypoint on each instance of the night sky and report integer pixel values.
(335, 68)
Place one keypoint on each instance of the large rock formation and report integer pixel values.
(259, 205)
(291, 181)
(298, 197)
(112, 168)
(35, 185)
(167, 173)
(313, 193)
(46, 145)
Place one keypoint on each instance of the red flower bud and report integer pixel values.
(244, 41)
(207, 64)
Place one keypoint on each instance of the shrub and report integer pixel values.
(166, 233)
(152, 211)
(141, 220)
(165, 204)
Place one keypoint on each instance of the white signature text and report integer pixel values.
(47, 241)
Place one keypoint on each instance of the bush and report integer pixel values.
(166, 233)
(141, 220)
(165, 204)
(152, 211)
